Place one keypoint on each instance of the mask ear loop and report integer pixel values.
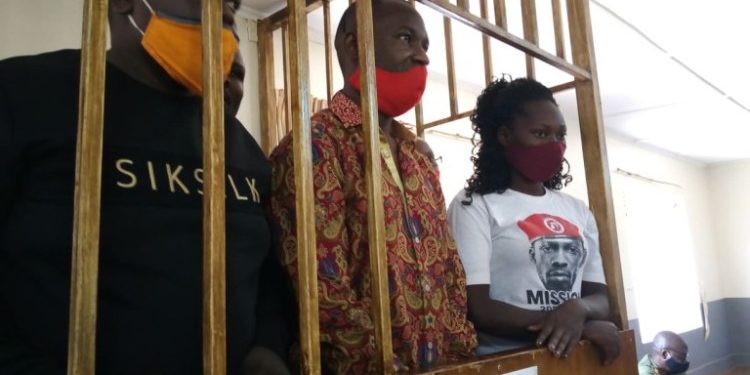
(132, 21)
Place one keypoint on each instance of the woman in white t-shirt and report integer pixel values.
(531, 252)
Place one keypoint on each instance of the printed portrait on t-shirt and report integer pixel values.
(556, 249)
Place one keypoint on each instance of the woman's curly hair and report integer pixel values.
(500, 103)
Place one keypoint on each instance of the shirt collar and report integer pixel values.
(350, 115)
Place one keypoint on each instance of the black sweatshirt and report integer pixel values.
(150, 275)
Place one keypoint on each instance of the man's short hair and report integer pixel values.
(348, 23)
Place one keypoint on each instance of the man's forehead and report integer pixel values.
(397, 11)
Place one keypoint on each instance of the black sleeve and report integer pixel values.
(276, 314)
(15, 357)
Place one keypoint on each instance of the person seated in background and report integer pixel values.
(531, 252)
(669, 356)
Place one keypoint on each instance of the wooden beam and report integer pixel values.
(299, 118)
(530, 33)
(451, 66)
(448, 119)
(504, 36)
(328, 48)
(558, 25)
(282, 17)
(584, 360)
(87, 196)
(214, 192)
(501, 14)
(595, 155)
(267, 87)
(486, 46)
(375, 216)
(287, 80)
(563, 86)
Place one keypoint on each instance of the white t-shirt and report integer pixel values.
(533, 251)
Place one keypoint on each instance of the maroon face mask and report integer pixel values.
(537, 163)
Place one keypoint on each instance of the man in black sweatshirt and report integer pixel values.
(150, 301)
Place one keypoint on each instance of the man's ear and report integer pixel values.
(121, 6)
(504, 135)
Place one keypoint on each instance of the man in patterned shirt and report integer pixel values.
(427, 285)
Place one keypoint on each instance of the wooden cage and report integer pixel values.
(293, 21)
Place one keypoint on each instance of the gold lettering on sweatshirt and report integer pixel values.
(198, 174)
(234, 188)
(133, 179)
(174, 178)
(151, 175)
(253, 190)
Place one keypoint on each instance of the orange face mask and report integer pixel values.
(176, 46)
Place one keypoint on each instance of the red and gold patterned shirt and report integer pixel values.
(427, 284)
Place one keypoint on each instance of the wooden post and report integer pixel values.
(375, 216)
(287, 80)
(450, 60)
(214, 214)
(486, 47)
(268, 124)
(595, 155)
(419, 117)
(328, 48)
(86, 206)
(501, 18)
(558, 26)
(299, 120)
(530, 33)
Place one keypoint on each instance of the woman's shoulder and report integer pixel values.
(570, 201)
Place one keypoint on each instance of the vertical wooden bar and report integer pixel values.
(287, 83)
(463, 4)
(419, 117)
(86, 213)
(375, 216)
(418, 112)
(558, 25)
(453, 97)
(214, 214)
(268, 123)
(307, 260)
(595, 155)
(486, 46)
(501, 14)
(329, 47)
(530, 32)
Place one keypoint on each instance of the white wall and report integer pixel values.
(35, 26)
(728, 188)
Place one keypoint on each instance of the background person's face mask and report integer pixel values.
(674, 367)
(175, 44)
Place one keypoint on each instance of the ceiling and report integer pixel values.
(673, 74)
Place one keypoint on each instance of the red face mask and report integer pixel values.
(537, 163)
(398, 92)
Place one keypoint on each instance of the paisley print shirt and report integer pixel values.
(427, 284)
